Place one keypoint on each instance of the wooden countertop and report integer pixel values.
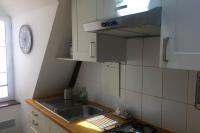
(78, 126)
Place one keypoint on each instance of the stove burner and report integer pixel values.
(133, 127)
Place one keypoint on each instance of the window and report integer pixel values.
(6, 73)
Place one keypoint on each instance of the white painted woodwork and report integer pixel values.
(38, 123)
(54, 128)
(180, 22)
(114, 8)
(93, 47)
(85, 12)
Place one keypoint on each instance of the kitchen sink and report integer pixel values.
(71, 110)
(79, 112)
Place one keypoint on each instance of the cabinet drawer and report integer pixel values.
(32, 130)
(36, 125)
(37, 122)
(34, 114)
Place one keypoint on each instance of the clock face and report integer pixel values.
(25, 39)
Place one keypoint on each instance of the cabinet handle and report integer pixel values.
(165, 43)
(121, 7)
(91, 49)
(34, 123)
(34, 114)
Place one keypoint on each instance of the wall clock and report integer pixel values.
(25, 39)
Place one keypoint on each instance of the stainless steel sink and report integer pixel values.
(79, 112)
(72, 110)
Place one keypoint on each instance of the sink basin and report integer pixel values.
(71, 110)
(79, 112)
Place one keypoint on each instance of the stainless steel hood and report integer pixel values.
(135, 25)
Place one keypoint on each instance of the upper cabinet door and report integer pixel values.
(114, 8)
(106, 9)
(180, 34)
(94, 47)
(85, 48)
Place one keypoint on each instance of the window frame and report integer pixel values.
(9, 58)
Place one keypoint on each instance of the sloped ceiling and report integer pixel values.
(15, 7)
(55, 74)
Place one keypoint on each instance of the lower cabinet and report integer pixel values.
(54, 128)
(38, 123)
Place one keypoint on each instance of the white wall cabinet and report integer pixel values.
(38, 123)
(114, 8)
(180, 34)
(107, 8)
(91, 46)
(84, 43)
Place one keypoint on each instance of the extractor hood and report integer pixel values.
(146, 23)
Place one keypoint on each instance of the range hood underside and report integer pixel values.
(135, 25)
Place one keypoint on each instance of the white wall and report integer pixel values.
(39, 74)
(18, 7)
(163, 97)
(55, 74)
(27, 67)
(39, 15)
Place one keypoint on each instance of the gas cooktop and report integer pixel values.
(133, 127)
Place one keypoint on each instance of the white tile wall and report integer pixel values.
(175, 84)
(122, 76)
(151, 109)
(133, 103)
(163, 97)
(151, 52)
(121, 102)
(134, 51)
(152, 81)
(192, 87)
(134, 78)
(193, 118)
(174, 116)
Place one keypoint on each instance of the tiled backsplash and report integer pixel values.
(163, 97)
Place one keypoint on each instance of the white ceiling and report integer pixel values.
(16, 7)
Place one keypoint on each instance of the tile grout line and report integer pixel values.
(188, 85)
(133, 65)
(142, 78)
(187, 109)
(172, 100)
(125, 84)
(188, 82)
(162, 98)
